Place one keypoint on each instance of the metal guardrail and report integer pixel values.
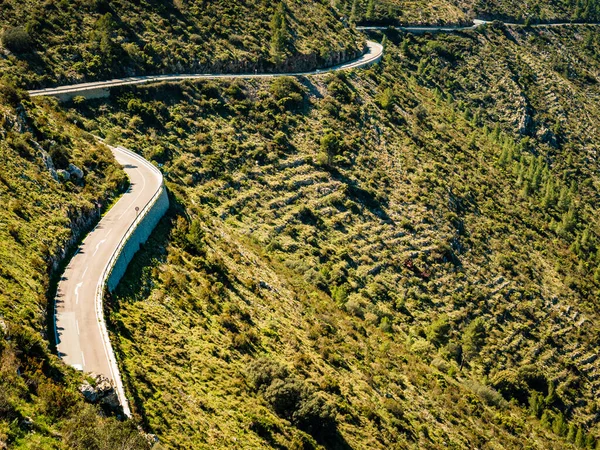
(106, 273)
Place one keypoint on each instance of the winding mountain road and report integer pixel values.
(80, 331)
(373, 54)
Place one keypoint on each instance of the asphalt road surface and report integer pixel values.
(78, 332)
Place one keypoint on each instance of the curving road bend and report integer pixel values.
(79, 327)
(80, 331)
(372, 55)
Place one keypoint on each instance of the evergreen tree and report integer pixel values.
(580, 438)
(564, 200)
(354, 13)
(559, 426)
(549, 199)
(572, 433)
(370, 10)
(552, 396)
(279, 33)
(569, 220)
(545, 420)
(536, 404)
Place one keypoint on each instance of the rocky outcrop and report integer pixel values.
(525, 126)
(547, 136)
(63, 175)
(101, 392)
(75, 171)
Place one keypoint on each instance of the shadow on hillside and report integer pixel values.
(334, 442)
(365, 197)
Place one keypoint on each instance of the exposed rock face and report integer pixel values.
(63, 175)
(102, 392)
(75, 171)
(47, 159)
(547, 136)
(525, 124)
(26, 423)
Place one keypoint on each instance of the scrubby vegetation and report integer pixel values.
(405, 256)
(66, 42)
(44, 209)
(463, 11)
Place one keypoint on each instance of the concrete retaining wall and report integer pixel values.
(138, 237)
(88, 94)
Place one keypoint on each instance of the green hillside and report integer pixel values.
(65, 42)
(463, 11)
(400, 257)
(405, 256)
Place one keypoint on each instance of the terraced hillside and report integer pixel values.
(463, 11)
(52, 177)
(49, 43)
(402, 257)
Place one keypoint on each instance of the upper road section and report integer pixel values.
(450, 28)
(372, 55)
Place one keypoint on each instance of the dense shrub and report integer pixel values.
(16, 39)
(9, 93)
(263, 371)
(302, 404)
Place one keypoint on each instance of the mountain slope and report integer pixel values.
(463, 11)
(61, 43)
(404, 256)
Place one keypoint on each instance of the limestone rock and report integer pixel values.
(547, 136)
(100, 392)
(63, 175)
(26, 423)
(89, 392)
(525, 126)
(75, 171)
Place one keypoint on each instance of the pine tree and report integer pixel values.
(549, 194)
(370, 14)
(545, 420)
(569, 220)
(551, 397)
(536, 404)
(572, 433)
(279, 33)
(580, 438)
(564, 200)
(354, 13)
(559, 426)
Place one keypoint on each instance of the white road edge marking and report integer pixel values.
(82, 360)
(77, 326)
